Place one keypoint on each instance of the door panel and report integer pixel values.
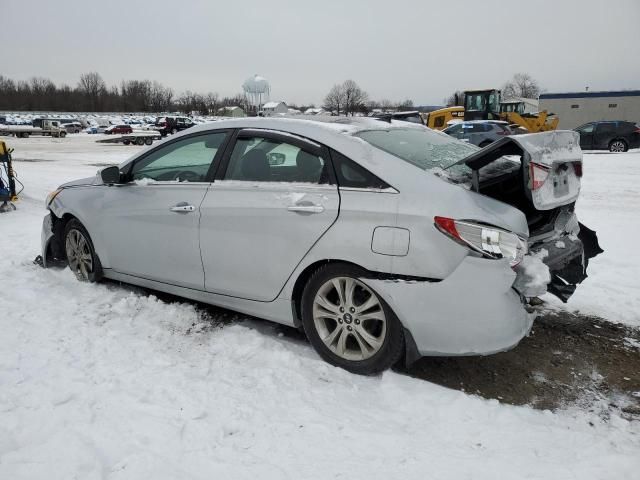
(147, 239)
(274, 201)
(253, 235)
(150, 225)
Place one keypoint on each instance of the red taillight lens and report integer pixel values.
(577, 168)
(491, 242)
(538, 175)
(447, 225)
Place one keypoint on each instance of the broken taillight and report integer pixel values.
(538, 175)
(490, 241)
(577, 168)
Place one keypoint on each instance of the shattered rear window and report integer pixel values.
(426, 149)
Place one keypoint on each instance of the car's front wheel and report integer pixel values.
(348, 323)
(81, 257)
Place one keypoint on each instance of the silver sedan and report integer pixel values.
(383, 241)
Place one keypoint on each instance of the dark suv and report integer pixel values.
(615, 136)
(172, 124)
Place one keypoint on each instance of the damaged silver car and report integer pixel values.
(383, 241)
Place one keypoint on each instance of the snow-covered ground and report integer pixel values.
(102, 381)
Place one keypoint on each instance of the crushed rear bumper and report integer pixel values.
(474, 311)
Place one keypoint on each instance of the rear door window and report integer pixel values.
(605, 128)
(260, 159)
(352, 175)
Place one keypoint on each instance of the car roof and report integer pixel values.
(334, 132)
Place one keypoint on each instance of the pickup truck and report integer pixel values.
(49, 127)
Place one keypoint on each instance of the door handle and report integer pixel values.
(306, 208)
(182, 207)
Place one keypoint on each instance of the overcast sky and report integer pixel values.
(395, 49)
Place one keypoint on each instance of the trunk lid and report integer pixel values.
(551, 165)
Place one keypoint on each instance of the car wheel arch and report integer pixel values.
(59, 225)
(302, 280)
(618, 139)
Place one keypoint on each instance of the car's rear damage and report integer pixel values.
(541, 177)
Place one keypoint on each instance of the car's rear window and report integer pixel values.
(423, 148)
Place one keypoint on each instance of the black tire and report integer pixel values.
(148, 141)
(63, 134)
(140, 141)
(618, 145)
(94, 274)
(392, 348)
(126, 142)
(25, 135)
(485, 143)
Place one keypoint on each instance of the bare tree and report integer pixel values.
(355, 98)
(92, 86)
(455, 99)
(521, 85)
(386, 105)
(211, 101)
(405, 104)
(334, 102)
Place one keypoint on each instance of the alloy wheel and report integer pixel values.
(349, 318)
(617, 146)
(79, 254)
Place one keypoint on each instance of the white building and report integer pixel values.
(274, 108)
(231, 112)
(575, 109)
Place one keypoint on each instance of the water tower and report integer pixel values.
(257, 90)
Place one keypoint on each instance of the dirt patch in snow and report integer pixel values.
(567, 360)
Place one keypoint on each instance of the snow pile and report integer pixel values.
(536, 273)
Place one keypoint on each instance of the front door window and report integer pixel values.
(187, 160)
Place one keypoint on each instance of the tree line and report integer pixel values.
(347, 98)
(91, 94)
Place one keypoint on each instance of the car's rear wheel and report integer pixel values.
(140, 141)
(148, 141)
(81, 257)
(126, 142)
(348, 323)
(618, 146)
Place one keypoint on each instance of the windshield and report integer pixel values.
(423, 148)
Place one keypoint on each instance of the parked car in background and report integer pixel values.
(615, 136)
(72, 127)
(412, 116)
(121, 129)
(173, 124)
(383, 240)
(479, 132)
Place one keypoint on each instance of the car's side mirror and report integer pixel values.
(110, 175)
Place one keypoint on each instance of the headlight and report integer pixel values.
(491, 241)
(51, 196)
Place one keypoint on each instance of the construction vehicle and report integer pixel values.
(486, 105)
(441, 118)
(7, 180)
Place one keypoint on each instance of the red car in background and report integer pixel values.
(119, 129)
